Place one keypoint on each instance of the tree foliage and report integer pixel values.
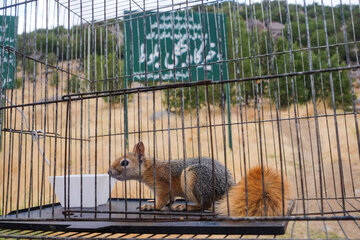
(249, 55)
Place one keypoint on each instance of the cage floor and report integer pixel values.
(54, 218)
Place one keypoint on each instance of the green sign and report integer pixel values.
(172, 46)
(8, 34)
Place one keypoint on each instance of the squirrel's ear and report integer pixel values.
(139, 149)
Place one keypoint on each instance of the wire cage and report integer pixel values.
(248, 83)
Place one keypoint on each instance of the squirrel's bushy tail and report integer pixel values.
(255, 197)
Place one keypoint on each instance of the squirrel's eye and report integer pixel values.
(124, 163)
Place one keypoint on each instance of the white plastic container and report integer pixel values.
(88, 189)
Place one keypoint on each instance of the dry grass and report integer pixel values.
(20, 158)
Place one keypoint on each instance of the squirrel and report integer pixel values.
(198, 176)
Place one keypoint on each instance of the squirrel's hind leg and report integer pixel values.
(190, 189)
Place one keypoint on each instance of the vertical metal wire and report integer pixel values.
(272, 70)
(198, 134)
(81, 111)
(318, 140)
(160, 80)
(246, 94)
(96, 152)
(160, 71)
(294, 103)
(69, 109)
(45, 107)
(11, 167)
(213, 87)
(227, 89)
(334, 107)
(233, 16)
(20, 143)
(109, 130)
(40, 118)
(262, 84)
(240, 103)
(2, 115)
(301, 147)
(169, 150)
(219, 35)
(66, 157)
(175, 92)
(90, 81)
(21, 138)
(139, 155)
(154, 150)
(183, 139)
(257, 102)
(278, 90)
(139, 104)
(9, 154)
(352, 93)
(342, 101)
(116, 73)
(5, 192)
(306, 106)
(351, 85)
(254, 84)
(211, 150)
(326, 118)
(103, 83)
(126, 97)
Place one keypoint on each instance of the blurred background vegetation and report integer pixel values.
(241, 48)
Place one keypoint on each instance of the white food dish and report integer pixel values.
(88, 189)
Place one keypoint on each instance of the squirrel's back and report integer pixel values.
(255, 198)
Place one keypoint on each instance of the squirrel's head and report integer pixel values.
(128, 166)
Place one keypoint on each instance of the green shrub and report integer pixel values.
(51, 58)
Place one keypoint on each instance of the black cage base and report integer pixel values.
(54, 218)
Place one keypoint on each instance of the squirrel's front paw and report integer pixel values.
(178, 207)
(147, 207)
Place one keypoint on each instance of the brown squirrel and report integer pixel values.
(198, 187)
